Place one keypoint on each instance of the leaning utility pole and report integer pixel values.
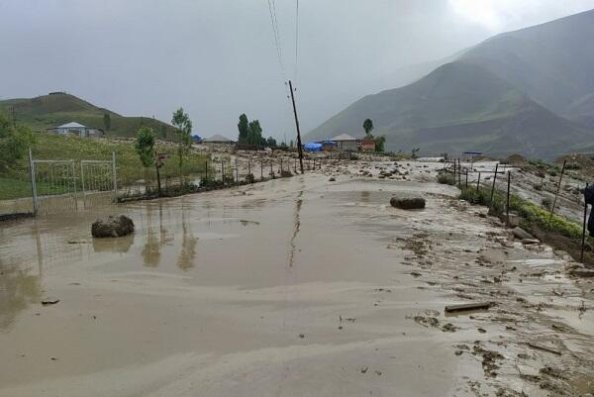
(299, 146)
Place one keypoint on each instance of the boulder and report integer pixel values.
(408, 203)
(112, 226)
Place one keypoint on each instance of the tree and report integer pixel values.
(379, 143)
(183, 131)
(107, 121)
(368, 126)
(145, 147)
(255, 134)
(244, 129)
(414, 153)
(271, 142)
(14, 141)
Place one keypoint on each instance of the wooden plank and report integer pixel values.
(468, 306)
(544, 348)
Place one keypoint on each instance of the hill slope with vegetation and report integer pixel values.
(49, 111)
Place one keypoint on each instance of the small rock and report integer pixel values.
(49, 301)
(364, 370)
(302, 336)
(332, 179)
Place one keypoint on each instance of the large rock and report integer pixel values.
(408, 203)
(113, 226)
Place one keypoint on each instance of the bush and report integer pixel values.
(446, 178)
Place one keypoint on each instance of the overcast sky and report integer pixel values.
(218, 58)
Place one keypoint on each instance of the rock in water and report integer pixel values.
(408, 203)
(113, 226)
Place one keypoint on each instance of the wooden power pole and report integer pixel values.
(299, 145)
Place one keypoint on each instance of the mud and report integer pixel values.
(296, 286)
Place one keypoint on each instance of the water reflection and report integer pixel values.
(187, 254)
(18, 288)
(113, 244)
(296, 227)
(151, 253)
(365, 196)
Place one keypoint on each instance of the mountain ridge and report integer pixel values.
(523, 85)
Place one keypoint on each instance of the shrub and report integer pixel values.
(446, 179)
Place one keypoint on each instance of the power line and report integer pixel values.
(296, 37)
(276, 33)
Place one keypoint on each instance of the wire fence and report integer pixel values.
(551, 207)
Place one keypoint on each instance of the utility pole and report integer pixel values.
(299, 146)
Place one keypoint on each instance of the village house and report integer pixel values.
(346, 143)
(74, 128)
(367, 144)
(219, 142)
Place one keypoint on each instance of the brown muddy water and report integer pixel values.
(293, 287)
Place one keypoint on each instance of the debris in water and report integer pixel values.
(49, 301)
(468, 306)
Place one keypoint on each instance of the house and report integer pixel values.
(367, 144)
(219, 142)
(346, 143)
(74, 128)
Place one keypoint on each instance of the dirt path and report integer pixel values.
(293, 287)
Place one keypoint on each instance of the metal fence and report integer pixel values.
(57, 186)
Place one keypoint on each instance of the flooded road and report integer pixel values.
(291, 287)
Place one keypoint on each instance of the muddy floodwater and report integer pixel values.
(292, 287)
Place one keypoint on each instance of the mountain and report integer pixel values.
(49, 111)
(527, 91)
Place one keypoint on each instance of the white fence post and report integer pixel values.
(114, 175)
(33, 184)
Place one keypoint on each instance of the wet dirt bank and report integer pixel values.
(297, 286)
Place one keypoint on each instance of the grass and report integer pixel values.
(15, 183)
(554, 230)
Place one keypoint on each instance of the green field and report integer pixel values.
(16, 184)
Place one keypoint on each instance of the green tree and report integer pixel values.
(271, 142)
(368, 126)
(183, 131)
(145, 147)
(379, 143)
(244, 129)
(107, 121)
(255, 134)
(14, 141)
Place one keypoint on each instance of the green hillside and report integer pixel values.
(49, 111)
